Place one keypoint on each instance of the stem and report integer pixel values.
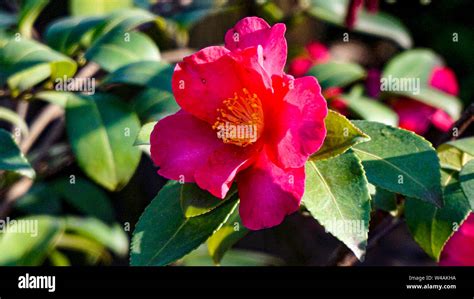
(49, 114)
(460, 126)
(345, 257)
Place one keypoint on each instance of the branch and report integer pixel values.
(49, 114)
(460, 126)
(344, 257)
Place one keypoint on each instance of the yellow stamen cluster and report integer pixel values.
(241, 120)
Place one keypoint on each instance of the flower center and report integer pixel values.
(241, 119)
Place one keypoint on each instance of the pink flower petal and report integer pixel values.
(202, 81)
(180, 144)
(460, 248)
(413, 115)
(444, 79)
(298, 126)
(442, 120)
(300, 66)
(268, 193)
(318, 52)
(253, 31)
(219, 171)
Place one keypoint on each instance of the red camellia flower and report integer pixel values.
(417, 116)
(459, 251)
(315, 53)
(243, 120)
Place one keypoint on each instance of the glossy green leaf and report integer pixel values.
(40, 199)
(229, 234)
(336, 195)
(153, 104)
(13, 118)
(368, 108)
(67, 35)
(11, 158)
(341, 135)
(87, 198)
(96, 7)
(59, 259)
(455, 154)
(27, 243)
(121, 21)
(116, 50)
(102, 130)
(30, 10)
(432, 227)
(337, 74)
(163, 234)
(400, 161)
(384, 200)
(234, 257)
(467, 182)
(143, 137)
(111, 236)
(54, 97)
(153, 74)
(195, 201)
(25, 63)
(380, 24)
(418, 64)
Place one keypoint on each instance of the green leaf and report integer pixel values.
(96, 7)
(467, 182)
(379, 24)
(400, 161)
(337, 196)
(25, 63)
(153, 104)
(11, 158)
(455, 154)
(229, 234)
(234, 257)
(101, 130)
(67, 35)
(143, 137)
(111, 236)
(163, 234)
(58, 259)
(20, 247)
(85, 197)
(113, 51)
(153, 74)
(13, 118)
(368, 108)
(30, 10)
(337, 74)
(195, 201)
(7, 19)
(384, 200)
(40, 199)
(432, 227)
(341, 135)
(122, 21)
(418, 64)
(54, 97)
